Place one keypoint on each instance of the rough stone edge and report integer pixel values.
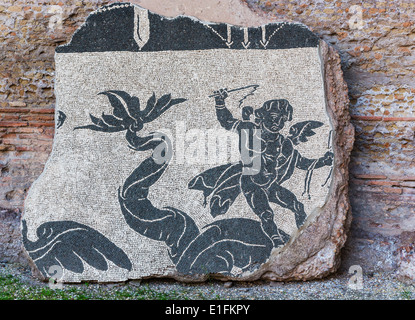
(317, 246)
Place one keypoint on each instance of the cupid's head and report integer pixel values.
(273, 114)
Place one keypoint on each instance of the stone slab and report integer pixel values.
(192, 150)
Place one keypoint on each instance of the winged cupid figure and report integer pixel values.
(278, 160)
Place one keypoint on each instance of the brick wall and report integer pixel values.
(376, 42)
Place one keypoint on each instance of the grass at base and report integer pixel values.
(13, 289)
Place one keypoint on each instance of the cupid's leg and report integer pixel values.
(257, 199)
(287, 199)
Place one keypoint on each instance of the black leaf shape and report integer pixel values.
(70, 244)
(163, 101)
(134, 108)
(103, 129)
(97, 121)
(176, 101)
(151, 102)
(119, 109)
(111, 120)
(154, 108)
(132, 103)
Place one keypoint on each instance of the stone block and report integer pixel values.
(192, 150)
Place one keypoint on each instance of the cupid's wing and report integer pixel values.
(303, 130)
(70, 244)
